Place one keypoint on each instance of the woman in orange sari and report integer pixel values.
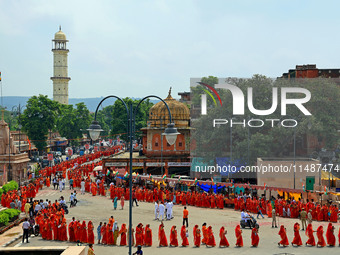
(284, 239)
(93, 188)
(148, 236)
(173, 237)
(48, 182)
(255, 239)
(239, 239)
(330, 235)
(163, 242)
(122, 234)
(321, 240)
(204, 232)
(211, 241)
(309, 233)
(185, 241)
(90, 234)
(197, 236)
(223, 240)
(297, 238)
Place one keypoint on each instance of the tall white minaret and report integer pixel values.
(60, 74)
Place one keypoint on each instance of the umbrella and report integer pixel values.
(98, 168)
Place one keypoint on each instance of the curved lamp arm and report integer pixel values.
(140, 101)
(127, 110)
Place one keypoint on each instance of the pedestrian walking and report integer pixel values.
(185, 216)
(99, 228)
(115, 203)
(60, 184)
(303, 217)
(274, 218)
(25, 227)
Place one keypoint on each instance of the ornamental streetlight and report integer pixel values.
(170, 134)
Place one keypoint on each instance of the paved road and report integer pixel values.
(100, 209)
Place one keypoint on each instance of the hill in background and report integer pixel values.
(91, 103)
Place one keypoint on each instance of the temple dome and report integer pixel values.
(159, 116)
(60, 35)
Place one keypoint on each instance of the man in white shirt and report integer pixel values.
(244, 216)
(71, 200)
(82, 187)
(161, 211)
(37, 208)
(60, 185)
(62, 201)
(168, 210)
(25, 227)
(46, 203)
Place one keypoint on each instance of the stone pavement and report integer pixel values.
(99, 209)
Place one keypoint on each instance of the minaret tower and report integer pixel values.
(60, 75)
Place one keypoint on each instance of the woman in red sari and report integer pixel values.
(284, 240)
(122, 234)
(239, 239)
(330, 235)
(148, 235)
(255, 239)
(197, 236)
(103, 231)
(321, 240)
(211, 239)
(163, 242)
(297, 238)
(223, 240)
(185, 241)
(63, 230)
(139, 235)
(173, 237)
(90, 234)
(309, 233)
(83, 237)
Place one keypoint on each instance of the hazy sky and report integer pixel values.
(137, 48)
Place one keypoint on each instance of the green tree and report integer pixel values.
(39, 116)
(114, 117)
(72, 121)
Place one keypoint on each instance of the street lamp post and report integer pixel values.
(170, 135)
(294, 153)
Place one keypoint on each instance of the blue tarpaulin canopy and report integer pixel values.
(207, 187)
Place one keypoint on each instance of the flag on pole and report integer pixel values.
(164, 176)
(126, 175)
(325, 189)
(212, 181)
(265, 186)
(150, 176)
(137, 175)
(303, 188)
(195, 181)
(179, 179)
(116, 174)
